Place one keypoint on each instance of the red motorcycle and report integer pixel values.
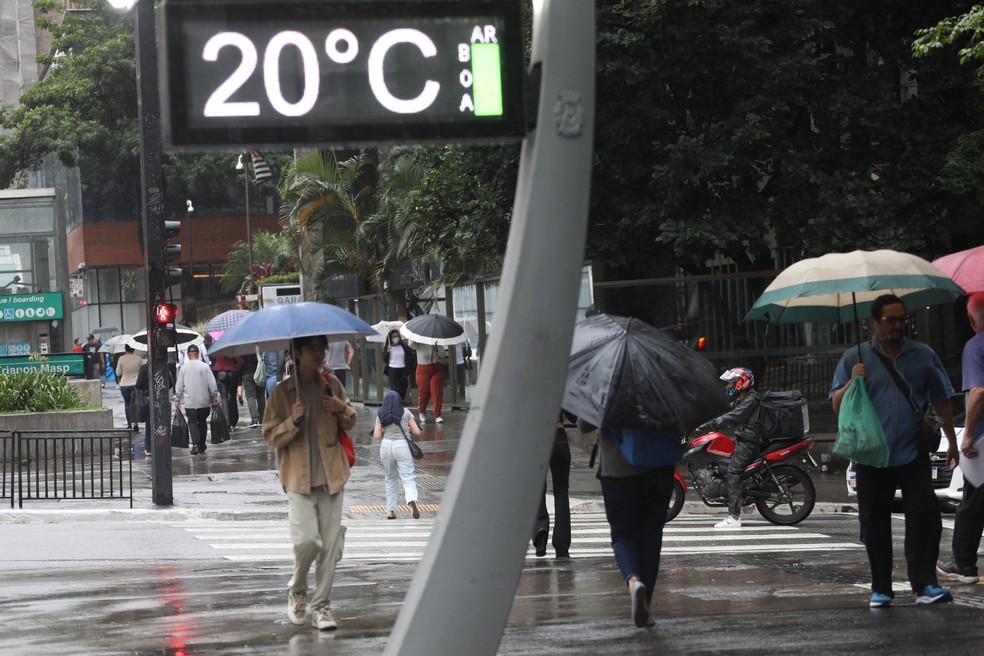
(782, 491)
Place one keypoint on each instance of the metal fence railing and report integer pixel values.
(70, 465)
(7, 469)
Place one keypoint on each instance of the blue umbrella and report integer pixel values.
(271, 329)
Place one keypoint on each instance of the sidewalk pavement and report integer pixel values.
(238, 479)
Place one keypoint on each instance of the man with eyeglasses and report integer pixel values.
(303, 421)
(908, 469)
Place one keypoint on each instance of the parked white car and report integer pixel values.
(948, 483)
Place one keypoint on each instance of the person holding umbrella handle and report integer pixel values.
(303, 420)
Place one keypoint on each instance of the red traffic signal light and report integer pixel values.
(165, 313)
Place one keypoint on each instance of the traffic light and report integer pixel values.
(172, 253)
(165, 314)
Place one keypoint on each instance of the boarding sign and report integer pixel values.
(344, 73)
(41, 306)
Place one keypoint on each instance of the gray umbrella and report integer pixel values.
(626, 374)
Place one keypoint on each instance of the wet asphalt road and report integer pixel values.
(149, 588)
(84, 579)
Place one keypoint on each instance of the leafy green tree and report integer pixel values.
(962, 35)
(460, 212)
(273, 254)
(349, 216)
(84, 110)
(325, 203)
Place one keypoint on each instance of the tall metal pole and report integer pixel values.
(249, 234)
(466, 582)
(148, 107)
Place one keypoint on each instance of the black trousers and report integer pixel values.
(398, 381)
(745, 452)
(560, 474)
(636, 510)
(923, 526)
(968, 525)
(228, 385)
(197, 425)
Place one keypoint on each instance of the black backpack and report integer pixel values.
(785, 414)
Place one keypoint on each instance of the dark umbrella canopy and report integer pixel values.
(626, 374)
(434, 329)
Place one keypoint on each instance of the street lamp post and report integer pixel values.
(151, 178)
(191, 243)
(241, 166)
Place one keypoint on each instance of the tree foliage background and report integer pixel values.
(720, 121)
(721, 125)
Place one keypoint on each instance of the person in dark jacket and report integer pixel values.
(750, 436)
(143, 389)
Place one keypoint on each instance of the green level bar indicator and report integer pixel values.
(487, 76)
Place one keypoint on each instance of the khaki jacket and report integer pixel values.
(291, 442)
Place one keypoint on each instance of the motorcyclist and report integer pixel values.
(750, 436)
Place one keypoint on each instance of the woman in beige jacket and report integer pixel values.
(302, 422)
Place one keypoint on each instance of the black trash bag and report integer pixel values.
(219, 425)
(139, 407)
(179, 431)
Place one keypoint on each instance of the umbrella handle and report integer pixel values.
(854, 304)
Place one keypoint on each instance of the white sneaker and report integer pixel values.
(323, 620)
(729, 522)
(438, 420)
(296, 606)
(423, 418)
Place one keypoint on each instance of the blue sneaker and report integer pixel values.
(934, 594)
(880, 600)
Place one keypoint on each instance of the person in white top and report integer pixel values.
(397, 359)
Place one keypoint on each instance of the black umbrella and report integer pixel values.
(624, 373)
(434, 329)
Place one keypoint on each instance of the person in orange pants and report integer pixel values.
(430, 380)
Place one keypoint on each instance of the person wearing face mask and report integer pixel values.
(397, 359)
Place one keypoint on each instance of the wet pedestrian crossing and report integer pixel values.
(405, 539)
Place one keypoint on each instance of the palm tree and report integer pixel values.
(272, 254)
(347, 217)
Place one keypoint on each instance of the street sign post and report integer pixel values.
(344, 73)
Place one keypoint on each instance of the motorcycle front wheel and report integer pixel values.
(676, 500)
(793, 501)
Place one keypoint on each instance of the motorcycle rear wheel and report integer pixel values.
(784, 510)
(676, 500)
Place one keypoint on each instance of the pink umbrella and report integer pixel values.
(965, 267)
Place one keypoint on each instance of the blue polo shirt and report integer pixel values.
(920, 368)
(973, 371)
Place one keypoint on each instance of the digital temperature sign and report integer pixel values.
(344, 73)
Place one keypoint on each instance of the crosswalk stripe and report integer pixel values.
(404, 540)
